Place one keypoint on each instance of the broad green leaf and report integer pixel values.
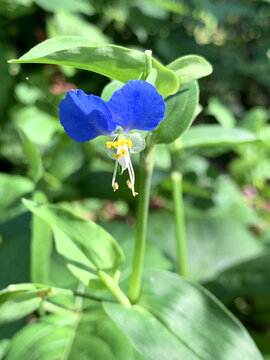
(85, 245)
(214, 243)
(113, 61)
(176, 319)
(33, 157)
(72, 337)
(249, 278)
(180, 111)
(46, 339)
(125, 235)
(41, 245)
(212, 135)
(17, 301)
(190, 67)
(222, 114)
(12, 187)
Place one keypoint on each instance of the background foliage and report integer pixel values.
(226, 175)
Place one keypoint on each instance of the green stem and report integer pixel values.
(146, 169)
(92, 297)
(176, 179)
(114, 288)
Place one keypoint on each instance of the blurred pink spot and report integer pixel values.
(249, 191)
(60, 88)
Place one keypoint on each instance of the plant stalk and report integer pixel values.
(176, 179)
(114, 288)
(145, 175)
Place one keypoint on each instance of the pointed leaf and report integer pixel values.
(41, 245)
(212, 135)
(72, 337)
(176, 319)
(248, 278)
(19, 300)
(85, 245)
(113, 61)
(12, 187)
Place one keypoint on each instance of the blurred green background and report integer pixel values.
(226, 188)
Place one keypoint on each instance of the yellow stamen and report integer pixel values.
(129, 143)
(116, 144)
(115, 186)
(121, 153)
(134, 193)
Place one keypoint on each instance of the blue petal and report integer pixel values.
(85, 117)
(137, 105)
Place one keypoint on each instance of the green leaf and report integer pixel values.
(19, 300)
(113, 61)
(180, 112)
(33, 157)
(212, 135)
(125, 235)
(249, 278)
(190, 67)
(41, 245)
(176, 319)
(214, 243)
(72, 337)
(222, 114)
(43, 340)
(12, 187)
(85, 245)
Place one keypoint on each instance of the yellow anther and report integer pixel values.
(134, 193)
(121, 153)
(125, 142)
(115, 186)
(116, 144)
(129, 143)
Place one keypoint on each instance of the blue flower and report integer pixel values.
(136, 106)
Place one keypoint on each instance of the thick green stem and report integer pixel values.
(114, 288)
(146, 169)
(176, 179)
